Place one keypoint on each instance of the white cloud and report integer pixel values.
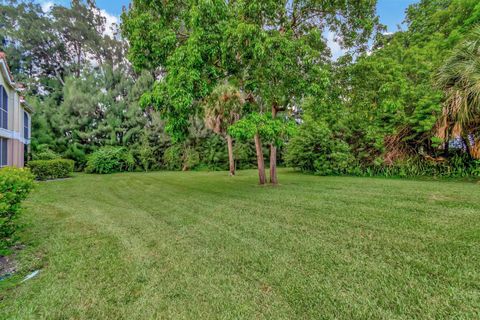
(111, 22)
(46, 6)
(334, 46)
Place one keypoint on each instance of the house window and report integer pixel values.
(3, 108)
(3, 152)
(25, 125)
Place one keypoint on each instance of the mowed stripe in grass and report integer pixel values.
(204, 245)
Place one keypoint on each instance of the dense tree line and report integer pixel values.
(219, 84)
(87, 96)
(390, 111)
(394, 90)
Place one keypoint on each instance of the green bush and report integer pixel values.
(245, 155)
(172, 158)
(315, 149)
(15, 184)
(191, 159)
(144, 154)
(45, 155)
(43, 152)
(213, 154)
(458, 166)
(51, 169)
(109, 160)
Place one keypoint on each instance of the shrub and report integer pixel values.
(315, 149)
(191, 159)
(458, 166)
(109, 160)
(245, 156)
(15, 184)
(77, 153)
(213, 154)
(43, 152)
(145, 154)
(172, 158)
(46, 155)
(51, 169)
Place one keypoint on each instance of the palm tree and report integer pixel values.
(222, 109)
(459, 78)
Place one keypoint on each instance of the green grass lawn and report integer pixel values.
(206, 246)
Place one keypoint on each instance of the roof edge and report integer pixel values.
(26, 106)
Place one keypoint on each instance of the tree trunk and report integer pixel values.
(231, 161)
(260, 161)
(273, 155)
(273, 164)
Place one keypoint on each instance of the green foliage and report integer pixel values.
(172, 158)
(191, 159)
(99, 109)
(385, 106)
(271, 130)
(43, 152)
(459, 78)
(244, 154)
(47, 47)
(145, 153)
(45, 155)
(223, 107)
(15, 185)
(316, 149)
(77, 78)
(213, 153)
(109, 160)
(458, 166)
(272, 49)
(390, 94)
(222, 60)
(206, 153)
(102, 108)
(51, 169)
(183, 38)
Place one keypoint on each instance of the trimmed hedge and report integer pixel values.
(15, 185)
(51, 169)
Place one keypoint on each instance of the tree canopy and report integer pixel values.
(164, 84)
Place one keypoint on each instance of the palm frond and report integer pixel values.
(459, 78)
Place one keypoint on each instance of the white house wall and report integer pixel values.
(15, 131)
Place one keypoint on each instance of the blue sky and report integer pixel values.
(392, 12)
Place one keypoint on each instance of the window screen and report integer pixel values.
(3, 151)
(3, 108)
(25, 125)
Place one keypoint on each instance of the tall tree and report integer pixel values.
(181, 42)
(290, 54)
(99, 108)
(49, 46)
(273, 49)
(29, 39)
(459, 78)
(223, 108)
